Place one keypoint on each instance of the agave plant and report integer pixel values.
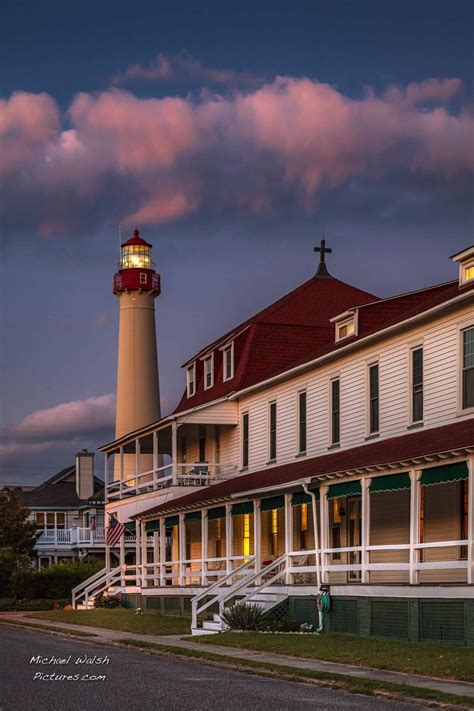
(243, 616)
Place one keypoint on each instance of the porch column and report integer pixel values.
(174, 451)
(415, 475)
(144, 553)
(162, 552)
(156, 558)
(470, 520)
(106, 475)
(204, 542)
(137, 465)
(155, 459)
(365, 537)
(257, 534)
(288, 537)
(107, 559)
(324, 518)
(137, 552)
(122, 559)
(228, 537)
(121, 472)
(181, 548)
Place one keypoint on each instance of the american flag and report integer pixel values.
(114, 532)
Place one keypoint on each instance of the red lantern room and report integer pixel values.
(136, 270)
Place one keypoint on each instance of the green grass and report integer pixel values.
(452, 662)
(119, 619)
(49, 628)
(352, 684)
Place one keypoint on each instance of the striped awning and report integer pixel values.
(391, 482)
(275, 502)
(445, 474)
(301, 497)
(348, 488)
(130, 526)
(245, 507)
(151, 526)
(218, 512)
(193, 516)
(171, 521)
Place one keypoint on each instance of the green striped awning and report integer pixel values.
(244, 508)
(193, 516)
(445, 474)
(171, 521)
(348, 488)
(151, 526)
(301, 497)
(130, 526)
(391, 482)
(218, 512)
(275, 502)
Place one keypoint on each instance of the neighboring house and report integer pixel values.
(68, 510)
(327, 440)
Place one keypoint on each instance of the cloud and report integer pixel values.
(283, 145)
(77, 420)
(184, 68)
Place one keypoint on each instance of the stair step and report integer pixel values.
(215, 625)
(201, 631)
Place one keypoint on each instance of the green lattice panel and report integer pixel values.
(343, 616)
(442, 621)
(389, 618)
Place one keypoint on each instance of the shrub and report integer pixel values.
(109, 601)
(12, 604)
(287, 624)
(10, 562)
(57, 581)
(243, 616)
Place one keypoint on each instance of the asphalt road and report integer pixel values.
(134, 680)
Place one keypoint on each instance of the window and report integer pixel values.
(218, 538)
(467, 272)
(464, 517)
(209, 372)
(245, 440)
(335, 411)
(335, 519)
(183, 448)
(272, 445)
(417, 385)
(40, 521)
(303, 527)
(246, 534)
(143, 277)
(60, 520)
(202, 444)
(302, 422)
(346, 329)
(228, 355)
(274, 531)
(468, 368)
(191, 379)
(374, 398)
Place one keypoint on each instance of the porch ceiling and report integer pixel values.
(415, 448)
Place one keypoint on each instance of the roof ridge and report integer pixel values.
(407, 293)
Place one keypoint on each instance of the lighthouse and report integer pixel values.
(137, 285)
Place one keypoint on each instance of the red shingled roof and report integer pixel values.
(396, 449)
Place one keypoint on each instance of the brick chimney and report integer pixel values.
(84, 474)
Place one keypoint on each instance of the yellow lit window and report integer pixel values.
(346, 329)
(246, 538)
(274, 531)
(469, 273)
(304, 517)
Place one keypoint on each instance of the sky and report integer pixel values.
(234, 135)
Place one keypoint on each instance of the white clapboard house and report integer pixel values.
(326, 441)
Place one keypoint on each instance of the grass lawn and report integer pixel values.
(119, 619)
(428, 659)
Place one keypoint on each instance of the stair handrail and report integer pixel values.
(113, 576)
(81, 589)
(217, 585)
(232, 592)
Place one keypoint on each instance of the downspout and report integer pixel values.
(323, 596)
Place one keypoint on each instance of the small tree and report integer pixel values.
(16, 531)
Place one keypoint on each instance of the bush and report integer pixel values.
(54, 582)
(12, 604)
(243, 616)
(109, 601)
(287, 624)
(10, 562)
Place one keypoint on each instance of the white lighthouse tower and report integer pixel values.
(138, 392)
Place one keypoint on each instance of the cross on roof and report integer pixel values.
(323, 250)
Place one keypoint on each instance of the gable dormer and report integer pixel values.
(346, 325)
(465, 259)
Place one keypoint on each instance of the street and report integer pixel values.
(136, 680)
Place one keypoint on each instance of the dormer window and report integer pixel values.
(228, 362)
(346, 329)
(191, 380)
(346, 324)
(466, 265)
(209, 371)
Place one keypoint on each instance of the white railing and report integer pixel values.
(179, 474)
(55, 537)
(101, 581)
(80, 537)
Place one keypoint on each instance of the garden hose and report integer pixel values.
(323, 602)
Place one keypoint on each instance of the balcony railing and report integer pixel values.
(188, 474)
(78, 538)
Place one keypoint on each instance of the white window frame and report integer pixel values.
(143, 278)
(332, 378)
(228, 348)
(244, 466)
(463, 326)
(464, 267)
(206, 360)
(191, 379)
(270, 460)
(370, 364)
(301, 452)
(415, 346)
(346, 319)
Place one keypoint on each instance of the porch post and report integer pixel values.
(106, 475)
(228, 537)
(181, 548)
(415, 475)
(156, 558)
(365, 538)
(155, 459)
(162, 552)
(257, 535)
(122, 559)
(107, 559)
(137, 465)
(288, 537)
(121, 472)
(144, 554)
(324, 518)
(204, 540)
(470, 520)
(137, 552)
(174, 451)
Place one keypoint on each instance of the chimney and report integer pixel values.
(84, 474)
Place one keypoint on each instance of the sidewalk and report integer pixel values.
(447, 686)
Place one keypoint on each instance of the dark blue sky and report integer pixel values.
(233, 205)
